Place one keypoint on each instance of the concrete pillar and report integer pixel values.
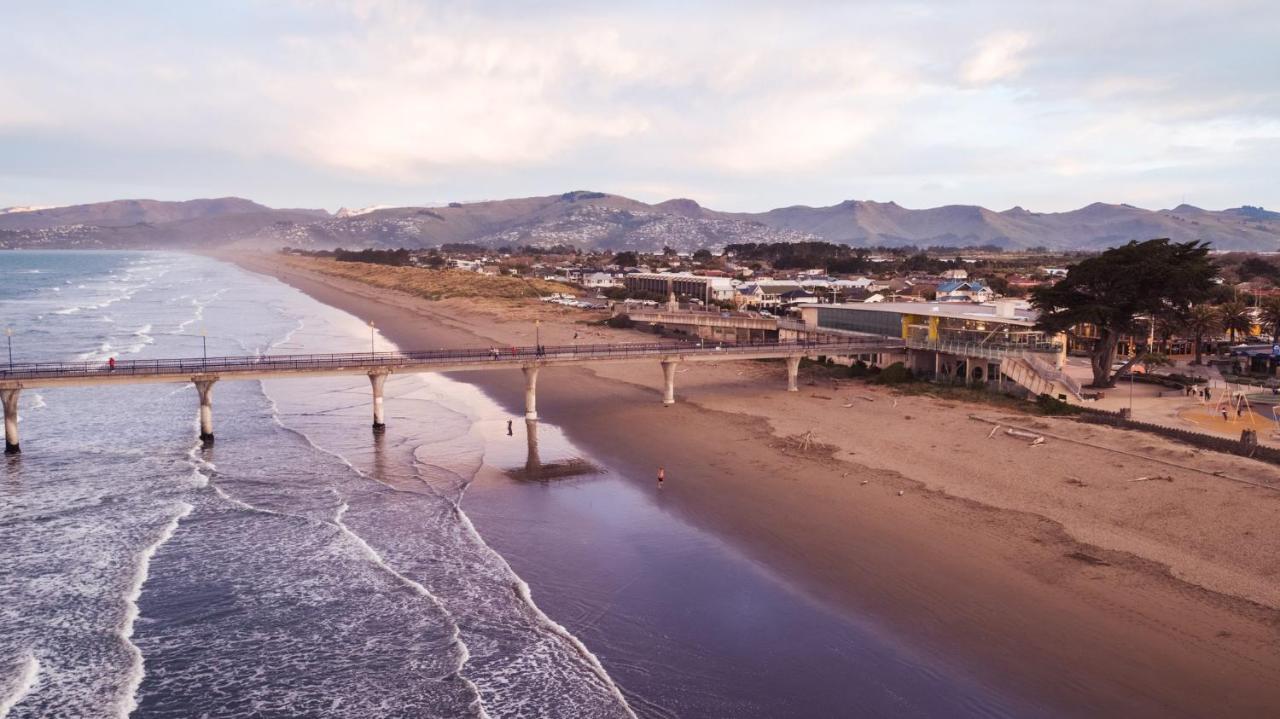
(793, 373)
(378, 380)
(669, 375)
(937, 366)
(531, 394)
(205, 388)
(10, 399)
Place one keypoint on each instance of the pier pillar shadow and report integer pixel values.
(532, 462)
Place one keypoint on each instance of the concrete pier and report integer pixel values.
(205, 388)
(10, 400)
(669, 377)
(793, 373)
(531, 393)
(378, 380)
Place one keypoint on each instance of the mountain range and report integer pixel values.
(596, 220)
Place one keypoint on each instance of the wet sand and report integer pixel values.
(1043, 569)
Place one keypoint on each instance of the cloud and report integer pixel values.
(744, 102)
(998, 57)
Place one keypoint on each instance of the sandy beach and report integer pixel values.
(1106, 572)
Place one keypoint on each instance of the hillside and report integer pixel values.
(599, 221)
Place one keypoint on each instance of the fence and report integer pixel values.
(1215, 443)
(375, 360)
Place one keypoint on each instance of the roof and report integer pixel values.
(956, 285)
(1024, 317)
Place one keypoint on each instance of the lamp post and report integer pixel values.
(537, 335)
(1131, 393)
(204, 343)
(8, 334)
(371, 338)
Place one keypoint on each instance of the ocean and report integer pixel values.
(303, 566)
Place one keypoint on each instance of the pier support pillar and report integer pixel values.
(378, 380)
(10, 399)
(531, 394)
(793, 373)
(669, 380)
(205, 389)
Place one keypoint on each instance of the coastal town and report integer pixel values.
(967, 317)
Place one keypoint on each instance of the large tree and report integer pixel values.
(1108, 292)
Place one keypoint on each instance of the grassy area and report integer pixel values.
(431, 284)
(956, 393)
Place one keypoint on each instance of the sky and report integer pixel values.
(738, 105)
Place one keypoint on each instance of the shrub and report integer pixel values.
(896, 373)
(859, 369)
(620, 322)
(1048, 404)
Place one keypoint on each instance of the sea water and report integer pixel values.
(302, 566)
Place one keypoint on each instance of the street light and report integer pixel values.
(537, 334)
(204, 343)
(8, 333)
(371, 338)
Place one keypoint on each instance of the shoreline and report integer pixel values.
(1036, 605)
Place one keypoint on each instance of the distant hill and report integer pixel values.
(596, 220)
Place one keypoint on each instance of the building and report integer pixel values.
(959, 341)
(597, 280)
(764, 294)
(683, 284)
(964, 291)
(1006, 322)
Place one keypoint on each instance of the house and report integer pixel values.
(798, 297)
(964, 291)
(597, 280)
(958, 274)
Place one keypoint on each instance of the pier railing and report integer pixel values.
(377, 360)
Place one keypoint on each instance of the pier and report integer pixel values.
(205, 372)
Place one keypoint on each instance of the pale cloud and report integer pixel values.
(363, 102)
(998, 57)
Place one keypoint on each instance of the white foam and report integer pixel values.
(464, 654)
(22, 687)
(129, 698)
(526, 596)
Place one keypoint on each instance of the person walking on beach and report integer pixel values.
(111, 363)
(662, 474)
(509, 428)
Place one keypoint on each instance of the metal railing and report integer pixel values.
(1050, 374)
(376, 360)
(980, 349)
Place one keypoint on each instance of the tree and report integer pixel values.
(626, 259)
(1157, 278)
(702, 255)
(1271, 317)
(1202, 321)
(1235, 318)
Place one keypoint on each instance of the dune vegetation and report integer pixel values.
(432, 284)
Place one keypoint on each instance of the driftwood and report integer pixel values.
(1160, 477)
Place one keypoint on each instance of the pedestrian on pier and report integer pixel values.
(111, 363)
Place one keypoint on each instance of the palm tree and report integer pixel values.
(1235, 318)
(1202, 321)
(1271, 317)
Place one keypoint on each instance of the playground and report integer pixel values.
(1235, 408)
